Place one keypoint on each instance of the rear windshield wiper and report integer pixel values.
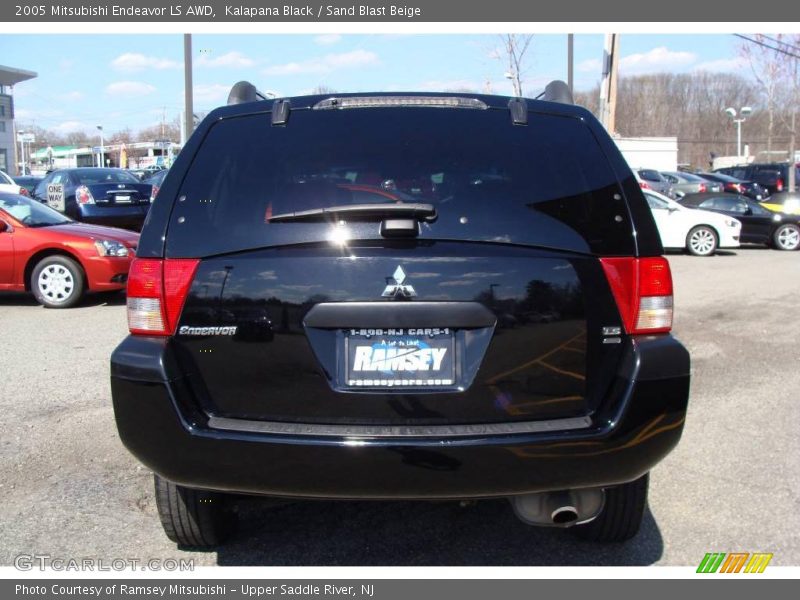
(420, 212)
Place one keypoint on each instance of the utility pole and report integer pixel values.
(570, 60)
(608, 87)
(188, 109)
(792, 178)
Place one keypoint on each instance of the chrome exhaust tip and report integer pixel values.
(564, 515)
(559, 509)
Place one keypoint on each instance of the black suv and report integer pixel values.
(401, 297)
(772, 176)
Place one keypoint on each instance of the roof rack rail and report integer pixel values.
(557, 91)
(244, 91)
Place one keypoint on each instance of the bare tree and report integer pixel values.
(515, 47)
(768, 69)
(323, 89)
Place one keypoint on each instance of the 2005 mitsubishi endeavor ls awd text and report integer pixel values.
(401, 297)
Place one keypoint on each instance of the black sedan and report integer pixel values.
(731, 184)
(97, 195)
(759, 225)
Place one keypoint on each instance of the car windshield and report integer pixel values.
(93, 176)
(30, 212)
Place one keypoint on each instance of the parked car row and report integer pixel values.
(757, 181)
(705, 222)
(104, 196)
(774, 176)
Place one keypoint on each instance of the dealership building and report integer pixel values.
(9, 77)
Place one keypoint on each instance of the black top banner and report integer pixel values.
(438, 11)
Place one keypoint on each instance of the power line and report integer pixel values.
(765, 45)
(777, 41)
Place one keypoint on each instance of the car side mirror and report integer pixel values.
(748, 211)
(3, 226)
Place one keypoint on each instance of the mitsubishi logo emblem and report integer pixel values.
(398, 289)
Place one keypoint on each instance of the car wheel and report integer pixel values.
(787, 237)
(57, 282)
(621, 516)
(702, 241)
(196, 518)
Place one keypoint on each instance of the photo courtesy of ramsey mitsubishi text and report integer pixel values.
(380, 300)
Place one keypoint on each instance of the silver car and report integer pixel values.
(652, 179)
(689, 183)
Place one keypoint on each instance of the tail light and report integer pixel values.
(157, 290)
(642, 288)
(154, 192)
(83, 195)
(24, 192)
(703, 188)
(644, 185)
(779, 185)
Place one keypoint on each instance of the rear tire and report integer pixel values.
(787, 237)
(58, 281)
(621, 516)
(702, 241)
(196, 518)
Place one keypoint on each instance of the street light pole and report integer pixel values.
(743, 113)
(20, 135)
(739, 137)
(102, 147)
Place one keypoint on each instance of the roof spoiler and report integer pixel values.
(244, 91)
(557, 91)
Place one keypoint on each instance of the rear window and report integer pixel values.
(546, 184)
(650, 175)
(96, 176)
(691, 177)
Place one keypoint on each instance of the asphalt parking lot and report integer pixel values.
(71, 490)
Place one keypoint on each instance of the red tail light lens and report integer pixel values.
(703, 188)
(779, 185)
(83, 195)
(154, 192)
(644, 185)
(24, 192)
(642, 288)
(157, 290)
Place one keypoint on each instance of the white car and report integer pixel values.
(7, 185)
(700, 232)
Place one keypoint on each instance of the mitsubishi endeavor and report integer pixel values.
(401, 296)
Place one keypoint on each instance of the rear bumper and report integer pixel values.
(639, 423)
(127, 217)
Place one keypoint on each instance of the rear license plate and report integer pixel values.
(409, 357)
(122, 199)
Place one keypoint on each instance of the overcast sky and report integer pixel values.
(131, 80)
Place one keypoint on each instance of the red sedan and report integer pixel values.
(58, 259)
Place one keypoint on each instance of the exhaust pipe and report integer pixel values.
(559, 509)
(564, 515)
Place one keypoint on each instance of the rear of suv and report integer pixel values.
(408, 296)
